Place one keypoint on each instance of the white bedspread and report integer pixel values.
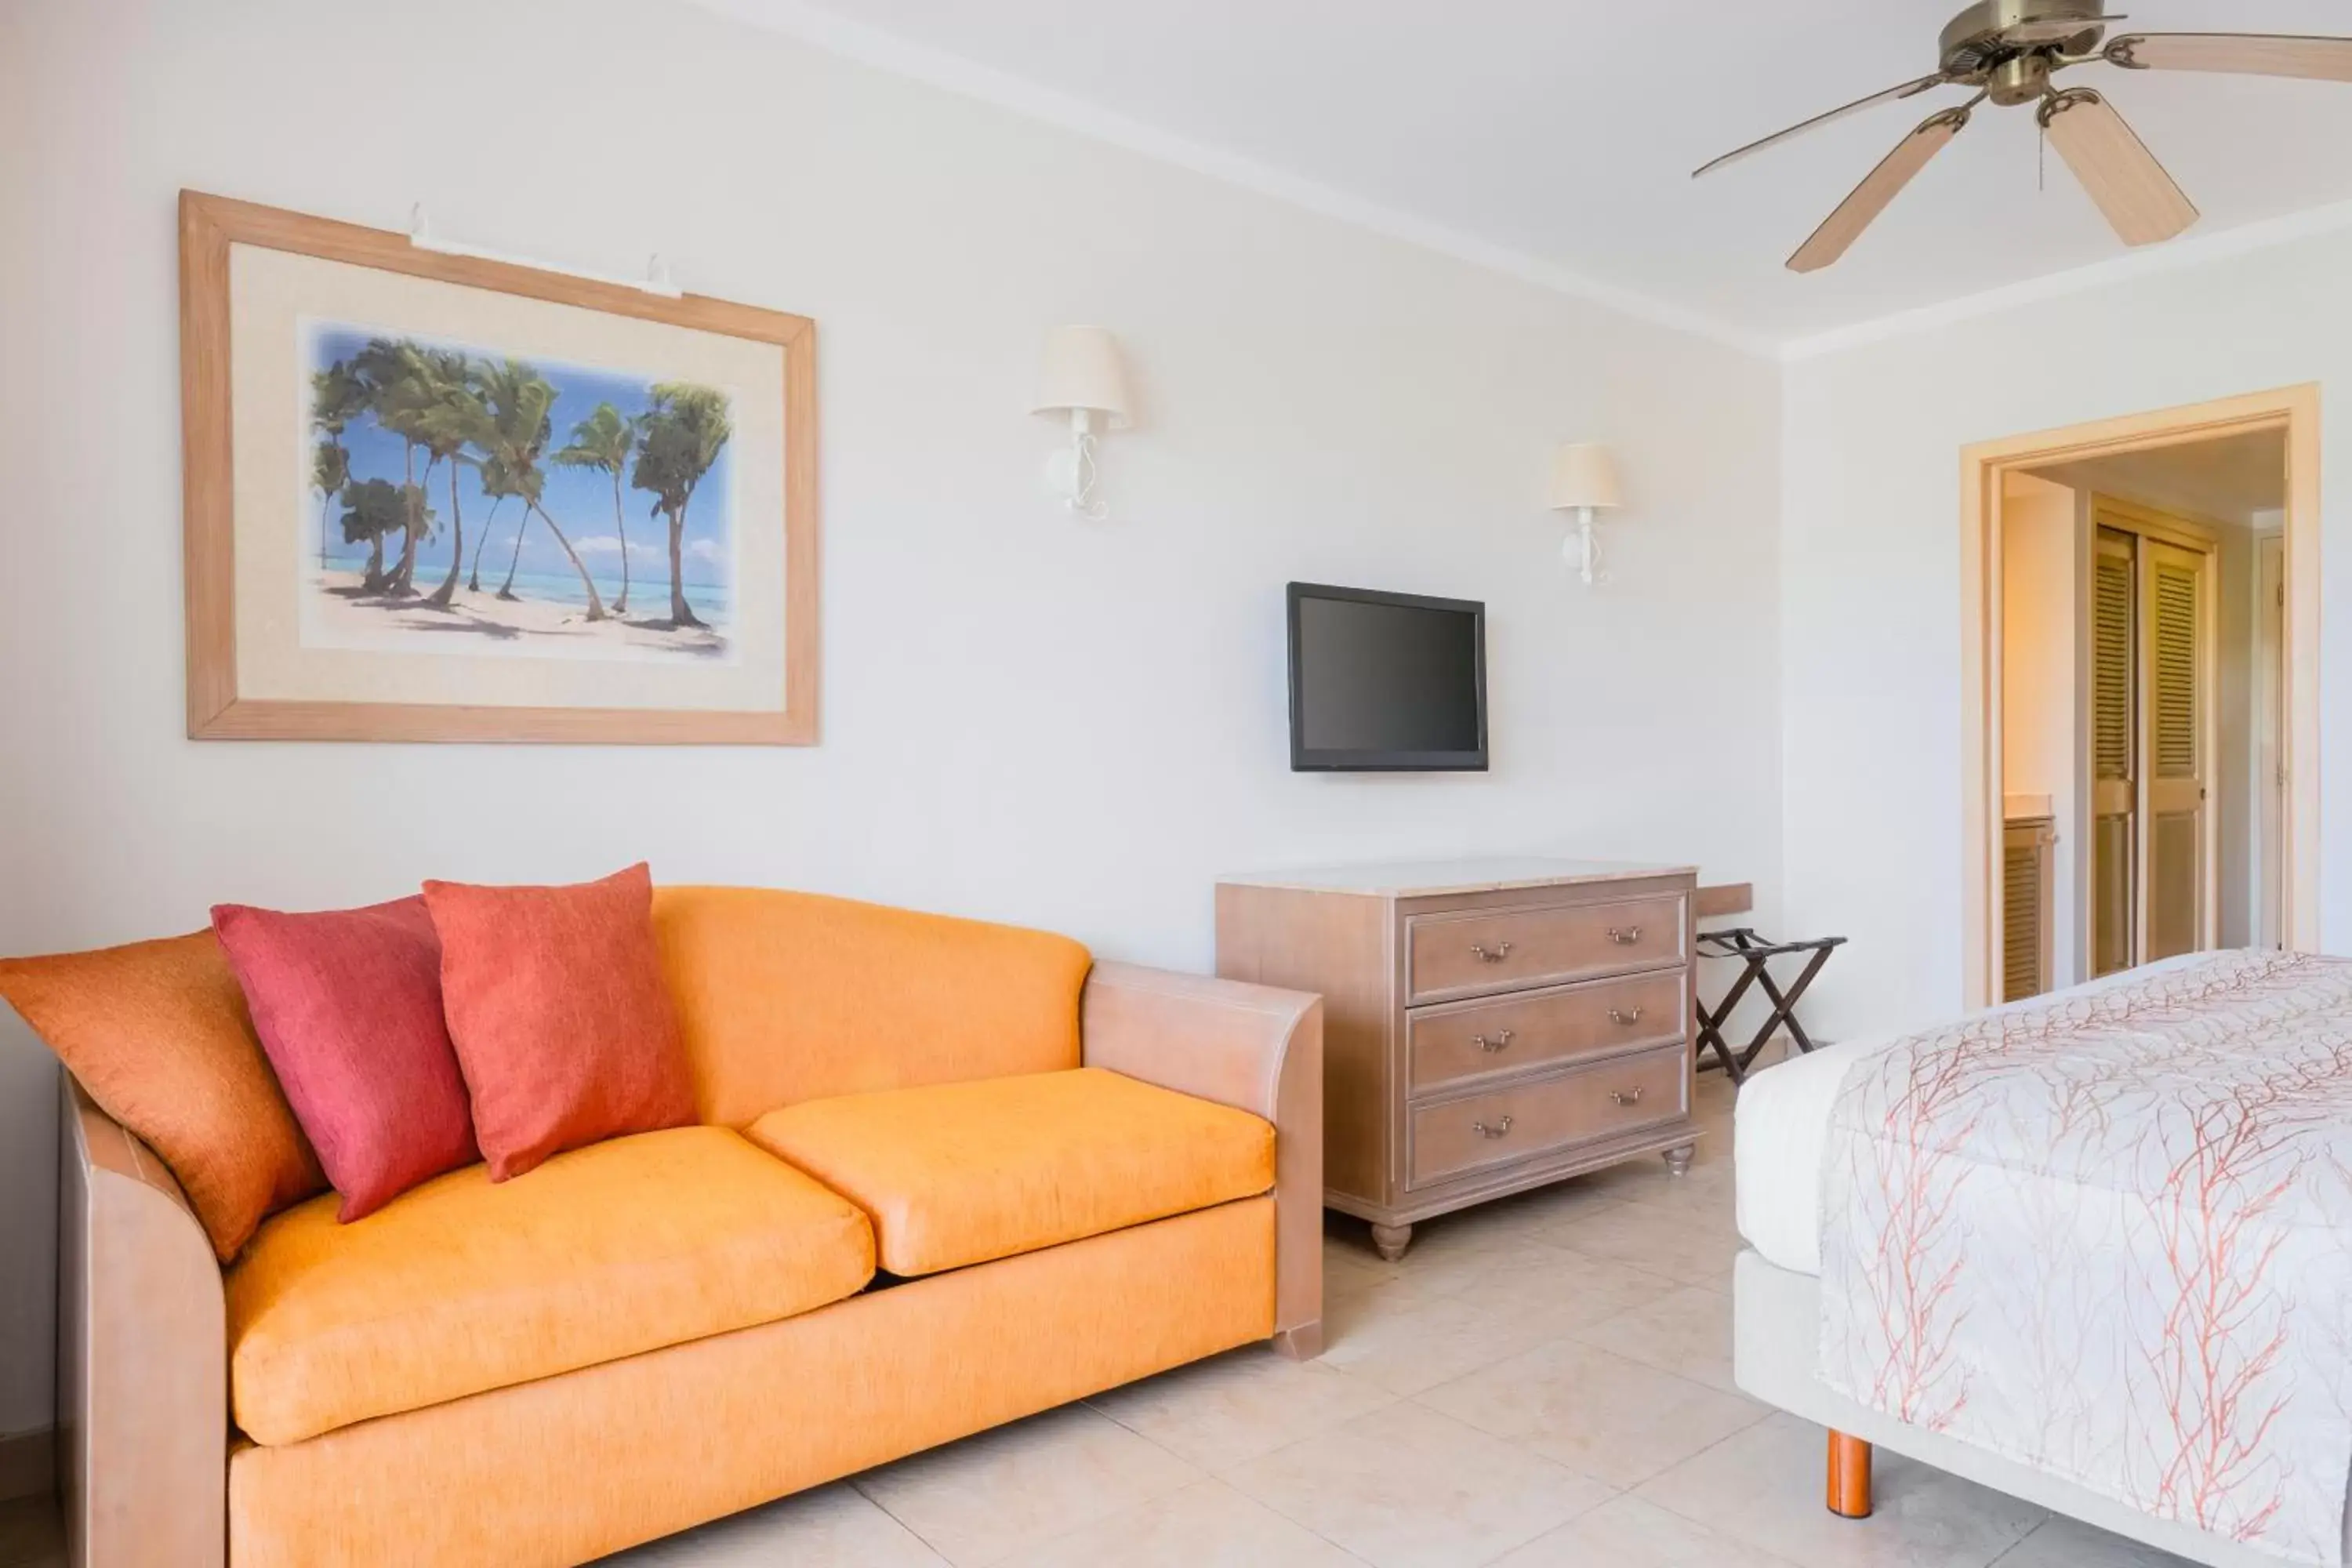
(2109, 1236)
(1782, 1124)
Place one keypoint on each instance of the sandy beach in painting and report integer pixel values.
(345, 616)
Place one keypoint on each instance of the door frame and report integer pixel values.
(2294, 410)
(2270, 726)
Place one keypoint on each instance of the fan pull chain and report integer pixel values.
(2042, 158)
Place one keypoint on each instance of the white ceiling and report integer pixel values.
(2234, 479)
(1564, 131)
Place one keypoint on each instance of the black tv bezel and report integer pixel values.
(1331, 760)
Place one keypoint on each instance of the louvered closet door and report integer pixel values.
(2175, 609)
(2025, 907)
(2115, 744)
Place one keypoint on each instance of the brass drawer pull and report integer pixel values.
(1627, 1097)
(1496, 1131)
(1624, 1015)
(1624, 936)
(1494, 954)
(1501, 1040)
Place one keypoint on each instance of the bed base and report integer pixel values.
(1776, 1339)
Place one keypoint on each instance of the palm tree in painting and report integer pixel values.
(603, 441)
(455, 420)
(331, 470)
(520, 424)
(499, 485)
(400, 395)
(678, 438)
(338, 396)
(519, 400)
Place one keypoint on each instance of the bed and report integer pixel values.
(1795, 1121)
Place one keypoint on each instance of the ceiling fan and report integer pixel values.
(2010, 50)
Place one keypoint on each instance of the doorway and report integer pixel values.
(2141, 625)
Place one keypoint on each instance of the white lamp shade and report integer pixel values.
(1082, 370)
(1584, 474)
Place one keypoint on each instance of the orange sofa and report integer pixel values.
(948, 1174)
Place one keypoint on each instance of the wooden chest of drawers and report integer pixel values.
(1488, 1026)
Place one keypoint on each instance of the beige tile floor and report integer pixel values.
(1544, 1382)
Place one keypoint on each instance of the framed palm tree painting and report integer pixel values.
(433, 497)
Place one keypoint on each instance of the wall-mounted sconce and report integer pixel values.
(1084, 379)
(1584, 480)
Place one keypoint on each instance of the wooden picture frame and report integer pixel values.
(220, 707)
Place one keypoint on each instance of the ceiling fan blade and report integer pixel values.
(1908, 90)
(2242, 54)
(1859, 211)
(2140, 200)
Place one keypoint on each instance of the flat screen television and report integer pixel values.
(1386, 682)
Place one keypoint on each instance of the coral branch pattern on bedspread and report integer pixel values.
(2110, 1236)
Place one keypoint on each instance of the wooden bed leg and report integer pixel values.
(1849, 1470)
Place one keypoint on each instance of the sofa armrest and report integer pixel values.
(1251, 1046)
(142, 1355)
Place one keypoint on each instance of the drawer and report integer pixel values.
(1504, 1126)
(1507, 950)
(1461, 1040)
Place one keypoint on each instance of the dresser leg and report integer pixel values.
(1391, 1239)
(1678, 1159)
(1849, 1476)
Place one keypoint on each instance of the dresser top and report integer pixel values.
(1439, 878)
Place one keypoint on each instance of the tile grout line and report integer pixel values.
(1763, 1415)
(1207, 1477)
(1407, 1399)
(2014, 1547)
(1694, 1519)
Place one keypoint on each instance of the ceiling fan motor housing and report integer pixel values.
(1982, 44)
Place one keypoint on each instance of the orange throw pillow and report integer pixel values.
(157, 1032)
(564, 1029)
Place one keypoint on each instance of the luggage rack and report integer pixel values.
(1742, 942)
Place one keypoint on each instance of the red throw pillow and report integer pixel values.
(564, 1028)
(348, 1007)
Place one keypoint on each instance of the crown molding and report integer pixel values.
(2179, 256)
(885, 51)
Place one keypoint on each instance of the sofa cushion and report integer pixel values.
(561, 1016)
(461, 1285)
(785, 997)
(159, 1035)
(348, 1005)
(961, 1173)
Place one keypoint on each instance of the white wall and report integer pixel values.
(1871, 572)
(2040, 752)
(1025, 718)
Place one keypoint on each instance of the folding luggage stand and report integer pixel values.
(1742, 942)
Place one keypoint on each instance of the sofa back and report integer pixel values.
(787, 997)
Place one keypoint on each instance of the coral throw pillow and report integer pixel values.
(157, 1033)
(563, 1027)
(348, 1005)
